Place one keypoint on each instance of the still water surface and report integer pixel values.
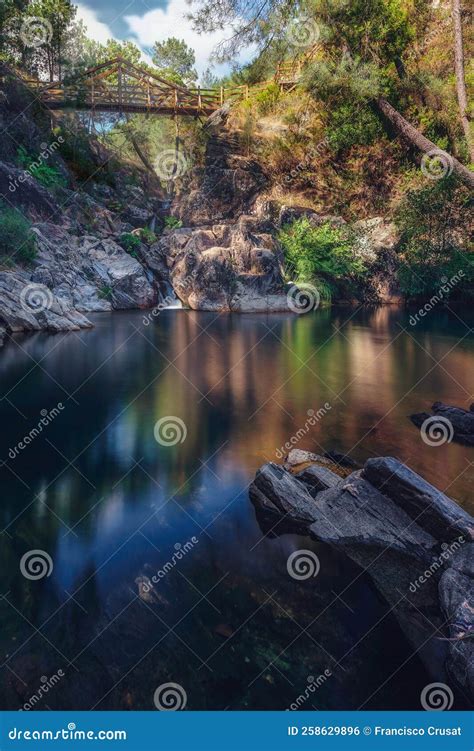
(111, 506)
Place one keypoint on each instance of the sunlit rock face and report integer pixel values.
(224, 267)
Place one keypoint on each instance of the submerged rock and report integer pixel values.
(459, 425)
(409, 537)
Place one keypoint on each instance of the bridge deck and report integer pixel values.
(119, 86)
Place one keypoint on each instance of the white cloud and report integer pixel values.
(159, 24)
(96, 30)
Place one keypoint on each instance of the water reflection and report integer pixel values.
(110, 504)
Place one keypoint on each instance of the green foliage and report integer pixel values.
(172, 222)
(267, 98)
(350, 125)
(17, 241)
(105, 293)
(130, 243)
(44, 173)
(174, 59)
(434, 225)
(147, 236)
(321, 255)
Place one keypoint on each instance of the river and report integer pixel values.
(113, 507)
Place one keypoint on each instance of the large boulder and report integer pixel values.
(413, 541)
(90, 273)
(426, 505)
(223, 267)
(32, 306)
(456, 423)
(19, 188)
(224, 188)
(456, 591)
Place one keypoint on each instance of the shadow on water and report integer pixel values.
(114, 508)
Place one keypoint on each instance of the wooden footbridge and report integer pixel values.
(119, 86)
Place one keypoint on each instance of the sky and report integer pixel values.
(147, 21)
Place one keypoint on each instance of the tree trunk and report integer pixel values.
(143, 158)
(417, 139)
(459, 69)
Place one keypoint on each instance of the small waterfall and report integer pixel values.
(169, 301)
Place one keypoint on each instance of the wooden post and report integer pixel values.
(246, 91)
(199, 99)
(176, 99)
(120, 84)
(222, 95)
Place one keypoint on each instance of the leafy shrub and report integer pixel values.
(105, 293)
(323, 256)
(172, 222)
(147, 236)
(267, 98)
(44, 173)
(351, 125)
(17, 241)
(434, 227)
(130, 243)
